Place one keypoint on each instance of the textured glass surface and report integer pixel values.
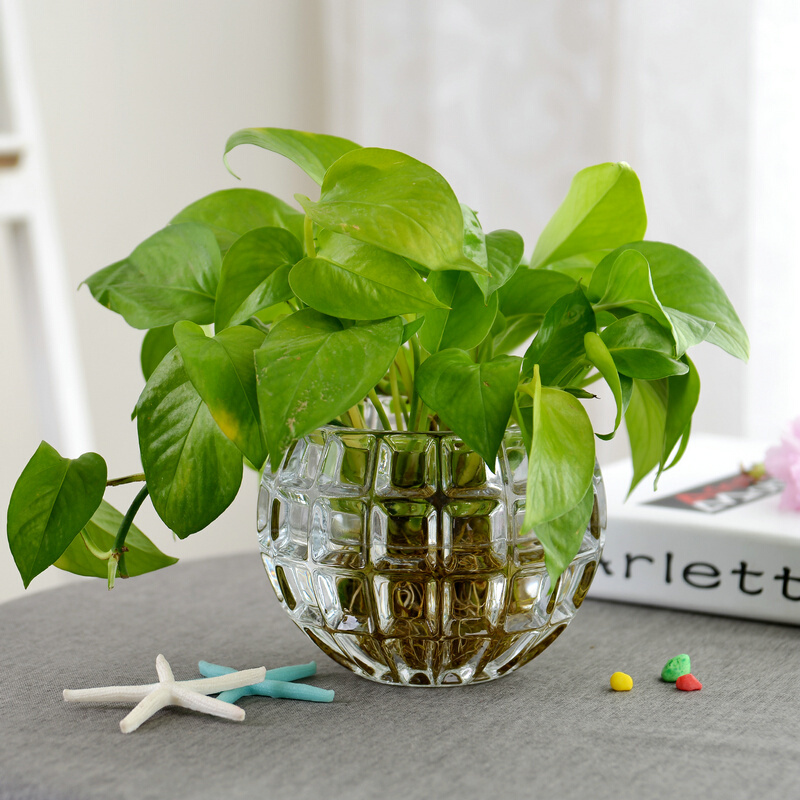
(401, 556)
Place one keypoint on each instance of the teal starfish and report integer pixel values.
(277, 683)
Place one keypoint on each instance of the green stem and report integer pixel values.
(405, 372)
(308, 236)
(93, 548)
(118, 551)
(127, 479)
(397, 407)
(262, 326)
(376, 402)
(526, 435)
(421, 414)
(355, 418)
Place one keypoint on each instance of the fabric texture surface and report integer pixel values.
(554, 728)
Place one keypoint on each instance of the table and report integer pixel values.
(552, 729)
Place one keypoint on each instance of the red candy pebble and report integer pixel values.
(688, 683)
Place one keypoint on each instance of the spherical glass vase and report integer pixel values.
(401, 555)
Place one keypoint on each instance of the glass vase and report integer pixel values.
(401, 555)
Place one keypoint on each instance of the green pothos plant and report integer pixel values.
(265, 322)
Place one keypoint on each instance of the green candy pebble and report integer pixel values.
(675, 667)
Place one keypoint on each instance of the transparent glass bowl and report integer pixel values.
(401, 555)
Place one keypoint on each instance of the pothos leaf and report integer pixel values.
(222, 370)
(562, 456)
(312, 152)
(561, 537)
(231, 213)
(311, 368)
(475, 400)
(53, 499)
(390, 200)
(597, 353)
(193, 470)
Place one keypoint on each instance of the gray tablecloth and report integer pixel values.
(552, 730)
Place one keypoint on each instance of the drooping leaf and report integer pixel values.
(683, 283)
(255, 275)
(53, 499)
(598, 354)
(475, 400)
(193, 470)
(645, 420)
(533, 291)
(604, 208)
(559, 341)
(467, 320)
(352, 280)
(311, 368)
(390, 200)
(561, 537)
(312, 152)
(222, 370)
(156, 344)
(141, 554)
(562, 457)
(682, 396)
(231, 213)
(641, 348)
(172, 275)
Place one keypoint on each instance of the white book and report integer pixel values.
(709, 539)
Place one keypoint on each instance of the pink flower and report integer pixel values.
(783, 462)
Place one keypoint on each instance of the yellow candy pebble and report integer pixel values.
(620, 682)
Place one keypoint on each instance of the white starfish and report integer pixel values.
(152, 697)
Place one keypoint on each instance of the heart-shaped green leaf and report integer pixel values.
(475, 400)
(312, 152)
(467, 320)
(255, 275)
(141, 555)
(604, 208)
(641, 348)
(533, 291)
(173, 275)
(311, 368)
(559, 342)
(156, 344)
(561, 537)
(645, 420)
(390, 200)
(231, 213)
(193, 470)
(222, 370)
(683, 283)
(562, 455)
(52, 500)
(352, 280)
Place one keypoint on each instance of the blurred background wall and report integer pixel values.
(508, 100)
